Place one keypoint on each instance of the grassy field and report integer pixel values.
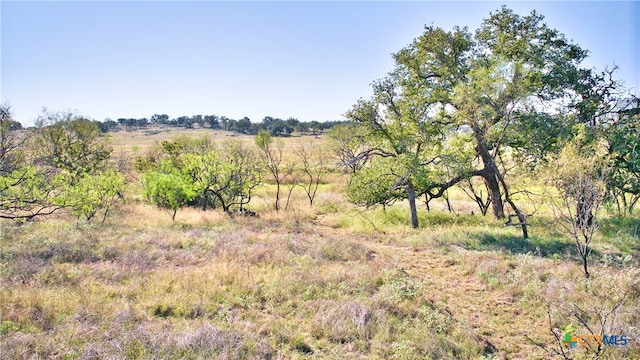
(328, 281)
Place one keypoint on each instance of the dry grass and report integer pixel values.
(285, 285)
(327, 281)
(136, 142)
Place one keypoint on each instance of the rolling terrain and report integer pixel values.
(323, 281)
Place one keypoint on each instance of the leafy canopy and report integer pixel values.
(503, 84)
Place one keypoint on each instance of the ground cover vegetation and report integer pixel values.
(203, 243)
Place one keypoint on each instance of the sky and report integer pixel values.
(301, 59)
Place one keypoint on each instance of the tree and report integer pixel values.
(241, 175)
(291, 178)
(623, 136)
(195, 172)
(231, 125)
(349, 145)
(26, 190)
(389, 179)
(92, 193)
(374, 184)
(292, 125)
(203, 170)
(244, 125)
(399, 131)
(198, 119)
(271, 156)
(12, 143)
(224, 122)
(70, 143)
(580, 180)
(61, 164)
(26, 193)
(212, 120)
(315, 127)
(168, 189)
(512, 76)
(160, 119)
(226, 178)
(477, 195)
(140, 123)
(302, 128)
(76, 158)
(107, 125)
(314, 167)
(184, 121)
(183, 144)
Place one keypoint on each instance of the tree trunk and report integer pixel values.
(494, 193)
(427, 199)
(411, 194)
(489, 173)
(286, 206)
(277, 194)
(204, 201)
(522, 218)
(225, 207)
(585, 267)
(104, 217)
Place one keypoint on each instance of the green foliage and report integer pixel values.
(203, 171)
(263, 140)
(374, 184)
(70, 143)
(12, 149)
(501, 84)
(347, 142)
(578, 173)
(71, 151)
(26, 189)
(169, 190)
(196, 173)
(92, 193)
(242, 174)
(7, 327)
(226, 178)
(398, 286)
(623, 180)
(271, 156)
(574, 164)
(184, 144)
(27, 192)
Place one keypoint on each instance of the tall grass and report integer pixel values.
(328, 281)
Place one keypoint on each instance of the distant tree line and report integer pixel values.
(271, 125)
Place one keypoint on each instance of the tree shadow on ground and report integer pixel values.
(624, 232)
(617, 226)
(537, 246)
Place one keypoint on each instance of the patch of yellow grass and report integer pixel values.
(325, 281)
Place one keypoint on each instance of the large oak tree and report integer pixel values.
(509, 90)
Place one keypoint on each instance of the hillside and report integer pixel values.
(323, 281)
(327, 281)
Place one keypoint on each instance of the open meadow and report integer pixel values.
(322, 281)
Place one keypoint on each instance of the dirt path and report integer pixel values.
(494, 315)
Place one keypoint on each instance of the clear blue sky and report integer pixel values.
(309, 60)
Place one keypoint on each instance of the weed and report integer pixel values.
(322, 281)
